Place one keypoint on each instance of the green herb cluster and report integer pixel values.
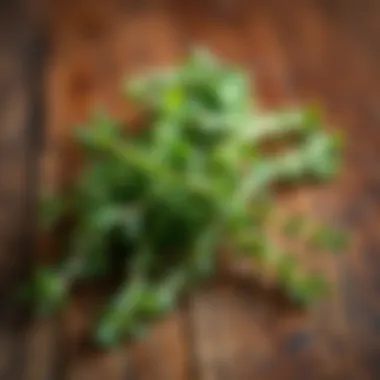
(160, 203)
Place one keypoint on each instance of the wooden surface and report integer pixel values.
(21, 115)
(324, 51)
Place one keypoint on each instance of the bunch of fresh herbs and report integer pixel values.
(162, 201)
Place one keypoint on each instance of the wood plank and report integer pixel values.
(326, 337)
(300, 50)
(163, 354)
(22, 50)
(218, 343)
(85, 73)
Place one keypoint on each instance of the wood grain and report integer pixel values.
(298, 51)
(22, 51)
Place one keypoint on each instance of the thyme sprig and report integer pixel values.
(161, 203)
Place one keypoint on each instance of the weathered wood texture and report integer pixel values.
(21, 115)
(299, 51)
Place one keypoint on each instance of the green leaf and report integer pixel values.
(204, 251)
(294, 226)
(49, 291)
(329, 239)
(120, 316)
(287, 270)
(307, 289)
(322, 155)
(104, 130)
(173, 100)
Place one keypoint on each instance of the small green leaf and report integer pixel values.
(174, 100)
(329, 239)
(322, 156)
(294, 226)
(307, 289)
(49, 291)
(204, 252)
(287, 270)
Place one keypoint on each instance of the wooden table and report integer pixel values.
(324, 51)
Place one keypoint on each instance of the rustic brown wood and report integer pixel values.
(22, 50)
(298, 51)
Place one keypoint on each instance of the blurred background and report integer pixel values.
(324, 52)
